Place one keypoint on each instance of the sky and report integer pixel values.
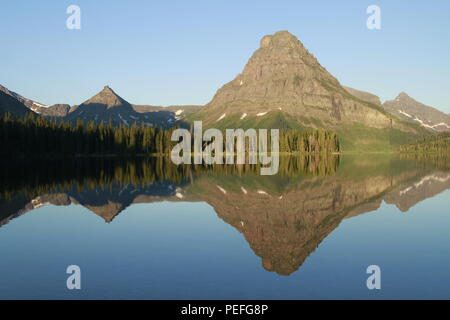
(181, 52)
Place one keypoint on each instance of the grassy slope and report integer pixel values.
(275, 120)
(359, 138)
(353, 138)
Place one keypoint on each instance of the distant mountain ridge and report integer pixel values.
(408, 109)
(363, 95)
(108, 106)
(179, 111)
(405, 107)
(102, 107)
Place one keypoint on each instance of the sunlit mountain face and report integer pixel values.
(283, 220)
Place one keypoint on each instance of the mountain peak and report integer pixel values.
(284, 85)
(279, 39)
(406, 98)
(284, 45)
(409, 109)
(403, 95)
(281, 75)
(108, 98)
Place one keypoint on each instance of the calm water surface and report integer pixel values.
(148, 230)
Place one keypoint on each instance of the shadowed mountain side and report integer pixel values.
(9, 104)
(30, 104)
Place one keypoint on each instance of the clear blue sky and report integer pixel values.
(181, 52)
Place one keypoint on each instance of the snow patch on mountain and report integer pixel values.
(221, 117)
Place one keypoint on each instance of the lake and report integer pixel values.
(146, 229)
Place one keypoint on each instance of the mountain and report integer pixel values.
(107, 105)
(56, 110)
(104, 106)
(366, 96)
(9, 104)
(407, 108)
(30, 104)
(283, 85)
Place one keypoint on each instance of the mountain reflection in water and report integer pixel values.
(284, 217)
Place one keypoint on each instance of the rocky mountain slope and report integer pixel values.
(405, 107)
(56, 110)
(284, 85)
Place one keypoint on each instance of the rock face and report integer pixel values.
(108, 106)
(366, 96)
(283, 77)
(56, 110)
(9, 104)
(405, 107)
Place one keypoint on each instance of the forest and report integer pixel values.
(35, 136)
(439, 143)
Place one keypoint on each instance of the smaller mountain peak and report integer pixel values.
(108, 98)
